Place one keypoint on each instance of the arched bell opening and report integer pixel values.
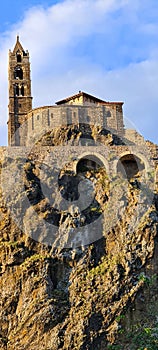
(18, 73)
(18, 57)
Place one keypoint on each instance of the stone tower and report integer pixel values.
(20, 100)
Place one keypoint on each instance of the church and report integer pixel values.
(83, 115)
(25, 123)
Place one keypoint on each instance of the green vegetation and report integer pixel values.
(143, 338)
(146, 279)
(34, 258)
(106, 265)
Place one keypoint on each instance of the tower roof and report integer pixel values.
(18, 46)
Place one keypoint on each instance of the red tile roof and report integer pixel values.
(81, 93)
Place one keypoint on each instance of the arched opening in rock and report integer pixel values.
(130, 166)
(89, 162)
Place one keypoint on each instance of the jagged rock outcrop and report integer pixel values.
(54, 296)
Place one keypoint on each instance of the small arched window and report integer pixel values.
(18, 73)
(16, 90)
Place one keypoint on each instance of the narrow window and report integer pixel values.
(32, 122)
(69, 118)
(18, 57)
(48, 118)
(16, 90)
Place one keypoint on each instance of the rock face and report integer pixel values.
(57, 296)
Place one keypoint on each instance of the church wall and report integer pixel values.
(44, 119)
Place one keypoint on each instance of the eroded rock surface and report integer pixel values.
(65, 295)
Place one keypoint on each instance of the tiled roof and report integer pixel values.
(84, 94)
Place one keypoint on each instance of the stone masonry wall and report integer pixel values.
(42, 120)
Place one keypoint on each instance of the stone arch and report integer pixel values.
(131, 165)
(91, 158)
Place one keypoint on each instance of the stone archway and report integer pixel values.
(91, 160)
(130, 165)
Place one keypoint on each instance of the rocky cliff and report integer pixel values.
(102, 295)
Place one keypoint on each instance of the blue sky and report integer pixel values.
(108, 48)
(13, 11)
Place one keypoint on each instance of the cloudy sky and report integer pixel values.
(108, 48)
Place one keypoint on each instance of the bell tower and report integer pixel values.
(20, 100)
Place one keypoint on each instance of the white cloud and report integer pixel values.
(52, 35)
